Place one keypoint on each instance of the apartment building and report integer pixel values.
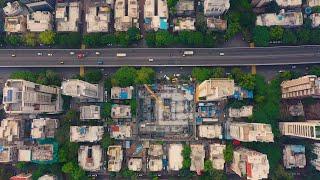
(302, 87)
(24, 154)
(90, 112)
(39, 21)
(215, 7)
(289, 3)
(135, 164)
(316, 151)
(8, 154)
(244, 111)
(315, 18)
(120, 131)
(42, 153)
(309, 129)
(39, 5)
(126, 14)
(98, 18)
(11, 129)
(215, 89)
(216, 24)
(250, 132)
(86, 133)
(80, 89)
(313, 3)
(121, 93)
(287, 19)
(175, 157)
(216, 155)
(252, 164)
(182, 24)
(156, 15)
(197, 157)
(13, 9)
(90, 158)
(115, 154)
(43, 128)
(67, 16)
(120, 111)
(25, 97)
(294, 156)
(15, 24)
(210, 131)
(185, 8)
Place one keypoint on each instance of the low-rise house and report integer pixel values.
(175, 157)
(13, 9)
(250, 164)
(80, 89)
(39, 21)
(115, 158)
(90, 158)
(181, 24)
(11, 129)
(210, 131)
(155, 165)
(289, 3)
(197, 157)
(216, 156)
(98, 18)
(121, 93)
(8, 154)
(43, 128)
(120, 131)
(316, 162)
(126, 14)
(67, 16)
(120, 111)
(313, 3)
(86, 133)
(89, 112)
(250, 132)
(216, 24)
(15, 24)
(155, 150)
(304, 86)
(42, 153)
(215, 89)
(135, 164)
(294, 156)
(24, 154)
(156, 15)
(39, 5)
(315, 18)
(244, 111)
(286, 19)
(22, 176)
(308, 129)
(215, 7)
(185, 8)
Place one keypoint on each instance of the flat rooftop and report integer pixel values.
(86, 133)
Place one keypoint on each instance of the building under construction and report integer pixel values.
(166, 111)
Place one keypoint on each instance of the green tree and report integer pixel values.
(134, 35)
(163, 39)
(218, 72)
(47, 37)
(125, 76)
(201, 74)
(151, 39)
(30, 39)
(236, 74)
(23, 166)
(26, 75)
(303, 36)
(281, 174)
(92, 40)
(276, 33)
(234, 26)
(289, 37)
(247, 81)
(261, 36)
(106, 141)
(108, 39)
(315, 34)
(106, 110)
(186, 152)
(126, 173)
(315, 70)
(123, 39)
(228, 153)
(13, 40)
(272, 7)
(201, 23)
(145, 75)
(69, 40)
(172, 3)
(93, 76)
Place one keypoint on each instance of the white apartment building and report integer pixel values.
(115, 154)
(313, 3)
(67, 16)
(181, 24)
(156, 15)
(89, 112)
(216, 155)
(126, 14)
(39, 21)
(309, 129)
(86, 133)
(197, 157)
(80, 89)
(302, 87)
(13, 9)
(98, 18)
(249, 132)
(11, 129)
(286, 19)
(215, 7)
(25, 97)
(215, 89)
(175, 157)
(43, 128)
(252, 164)
(210, 131)
(90, 158)
(289, 3)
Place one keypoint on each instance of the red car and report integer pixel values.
(80, 55)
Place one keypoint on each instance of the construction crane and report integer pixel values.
(158, 100)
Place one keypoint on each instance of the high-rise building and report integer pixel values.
(308, 129)
(80, 89)
(25, 97)
(302, 87)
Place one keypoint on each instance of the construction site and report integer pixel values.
(166, 111)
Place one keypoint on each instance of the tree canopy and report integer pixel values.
(261, 36)
(47, 37)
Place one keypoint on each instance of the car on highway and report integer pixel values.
(13, 55)
(72, 53)
(221, 54)
(100, 62)
(97, 53)
(150, 59)
(121, 54)
(50, 54)
(188, 53)
(39, 53)
(61, 62)
(81, 55)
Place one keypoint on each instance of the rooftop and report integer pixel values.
(216, 156)
(24, 155)
(313, 3)
(210, 131)
(294, 156)
(47, 177)
(289, 3)
(22, 176)
(155, 150)
(15, 24)
(90, 157)
(80, 89)
(155, 165)
(135, 164)
(121, 93)
(120, 131)
(185, 8)
(175, 157)
(67, 16)
(215, 89)
(115, 158)
(156, 14)
(120, 111)
(181, 24)
(42, 152)
(249, 132)
(43, 128)
(315, 18)
(288, 19)
(215, 7)
(86, 133)
(216, 24)
(244, 111)
(126, 14)
(10, 129)
(8, 154)
(98, 18)
(89, 112)
(12, 9)
(39, 21)
(197, 157)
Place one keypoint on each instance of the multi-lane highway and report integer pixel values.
(160, 56)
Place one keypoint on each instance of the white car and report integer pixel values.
(221, 54)
(13, 55)
(50, 54)
(150, 60)
(97, 53)
(72, 53)
(39, 54)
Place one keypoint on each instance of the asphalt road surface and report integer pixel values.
(160, 56)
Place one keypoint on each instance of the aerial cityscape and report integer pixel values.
(159, 89)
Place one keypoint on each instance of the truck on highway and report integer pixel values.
(121, 54)
(188, 53)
